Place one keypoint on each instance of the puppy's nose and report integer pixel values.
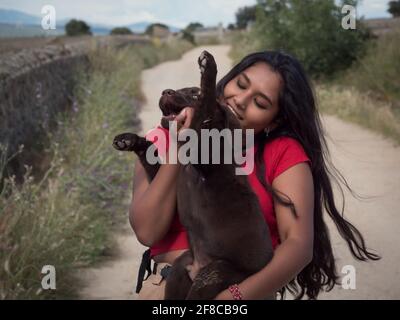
(169, 92)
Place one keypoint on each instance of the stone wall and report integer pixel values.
(35, 85)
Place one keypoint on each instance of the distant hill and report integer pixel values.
(138, 26)
(18, 17)
(17, 31)
(15, 23)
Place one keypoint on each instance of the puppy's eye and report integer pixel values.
(195, 97)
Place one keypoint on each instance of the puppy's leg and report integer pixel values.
(208, 69)
(178, 280)
(207, 106)
(208, 115)
(139, 145)
(213, 279)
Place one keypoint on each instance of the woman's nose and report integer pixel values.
(242, 98)
(240, 104)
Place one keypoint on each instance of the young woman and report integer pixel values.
(270, 93)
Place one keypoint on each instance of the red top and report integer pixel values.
(279, 155)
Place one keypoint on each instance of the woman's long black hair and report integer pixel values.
(298, 118)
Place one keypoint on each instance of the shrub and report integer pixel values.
(77, 28)
(310, 30)
(121, 31)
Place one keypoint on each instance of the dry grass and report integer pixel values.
(66, 219)
(352, 105)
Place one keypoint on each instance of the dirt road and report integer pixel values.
(369, 162)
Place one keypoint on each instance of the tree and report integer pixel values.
(193, 26)
(150, 28)
(121, 30)
(245, 15)
(77, 28)
(187, 33)
(394, 8)
(310, 30)
(188, 36)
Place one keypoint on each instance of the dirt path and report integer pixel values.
(369, 162)
(371, 165)
(117, 279)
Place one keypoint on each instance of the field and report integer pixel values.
(67, 217)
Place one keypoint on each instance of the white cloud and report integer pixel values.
(373, 8)
(228, 8)
(173, 12)
(376, 4)
(126, 18)
(117, 12)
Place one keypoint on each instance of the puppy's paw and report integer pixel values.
(125, 141)
(206, 61)
(203, 61)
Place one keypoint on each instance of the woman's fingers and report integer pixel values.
(189, 117)
(184, 118)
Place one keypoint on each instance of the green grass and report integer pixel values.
(352, 105)
(377, 73)
(242, 44)
(66, 219)
(368, 93)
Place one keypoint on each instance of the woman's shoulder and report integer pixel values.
(283, 146)
(282, 153)
(283, 142)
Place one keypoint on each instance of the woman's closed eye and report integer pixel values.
(240, 85)
(260, 105)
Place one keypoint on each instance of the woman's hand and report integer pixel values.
(184, 118)
(183, 121)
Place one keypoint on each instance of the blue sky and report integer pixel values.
(173, 12)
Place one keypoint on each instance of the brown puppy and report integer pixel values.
(229, 238)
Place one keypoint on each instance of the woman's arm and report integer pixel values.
(296, 234)
(153, 203)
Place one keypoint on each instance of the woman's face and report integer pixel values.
(253, 96)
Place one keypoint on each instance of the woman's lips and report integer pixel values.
(237, 115)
